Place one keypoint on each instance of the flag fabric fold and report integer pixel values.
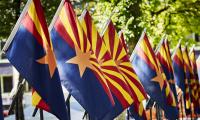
(164, 57)
(194, 81)
(116, 82)
(77, 64)
(119, 55)
(136, 110)
(152, 77)
(31, 53)
(188, 79)
(178, 67)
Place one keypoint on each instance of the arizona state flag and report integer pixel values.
(118, 86)
(77, 64)
(137, 110)
(119, 55)
(163, 55)
(29, 49)
(152, 77)
(188, 77)
(178, 67)
(194, 82)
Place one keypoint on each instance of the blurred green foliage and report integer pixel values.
(177, 18)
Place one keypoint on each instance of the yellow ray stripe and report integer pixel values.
(88, 47)
(33, 14)
(65, 21)
(108, 63)
(82, 22)
(185, 57)
(179, 55)
(116, 45)
(144, 47)
(139, 95)
(102, 51)
(168, 56)
(106, 39)
(125, 94)
(95, 63)
(141, 108)
(94, 37)
(35, 98)
(80, 34)
(125, 64)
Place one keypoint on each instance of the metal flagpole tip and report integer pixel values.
(145, 30)
(86, 5)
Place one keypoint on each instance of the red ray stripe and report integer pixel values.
(99, 45)
(150, 48)
(125, 58)
(41, 18)
(71, 17)
(119, 50)
(88, 23)
(85, 39)
(111, 35)
(123, 41)
(107, 56)
(30, 26)
(63, 33)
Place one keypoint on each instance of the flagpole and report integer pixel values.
(128, 116)
(68, 105)
(21, 85)
(107, 22)
(160, 43)
(17, 25)
(34, 112)
(192, 48)
(41, 115)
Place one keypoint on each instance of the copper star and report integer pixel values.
(159, 79)
(48, 59)
(82, 60)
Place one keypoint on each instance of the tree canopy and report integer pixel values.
(177, 18)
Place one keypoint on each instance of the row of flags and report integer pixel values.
(95, 67)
